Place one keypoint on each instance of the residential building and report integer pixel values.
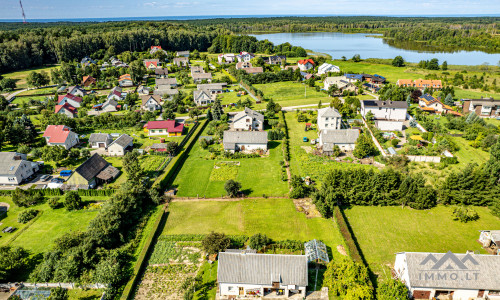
(228, 58)
(66, 109)
(275, 59)
(484, 107)
(344, 138)
(354, 77)
(329, 118)
(254, 70)
(125, 80)
(100, 140)
(376, 79)
(213, 88)
(161, 72)
(15, 168)
(292, 67)
(342, 84)
(182, 53)
(430, 104)
(165, 92)
(203, 97)
(121, 145)
(169, 82)
(60, 135)
(449, 276)
(155, 49)
(243, 65)
(305, 64)
(245, 141)
(77, 91)
(242, 274)
(70, 99)
(167, 127)
(86, 61)
(248, 119)
(490, 238)
(328, 68)
(88, 80)
(200, 77)
(245, 56)
(181, 61)
(92, 172)
(143, 90)
(109, 106)
(197, 69)
(388, 115)
(116, 94)
(151, 64)
(420, 83)
(151, 102)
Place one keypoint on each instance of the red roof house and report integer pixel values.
(168, 127)
(60, 135)
(66, 109)
(88, 80)
(69, 98)
(306, 64)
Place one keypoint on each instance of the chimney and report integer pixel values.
(17, 157)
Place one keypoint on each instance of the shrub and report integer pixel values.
(27, 215)
(392, 289)
(232, 188)
(395, 142)
(54, 202)
(58, 293)
(344, 277)
(465, 214)
(258, 241)
(72, 201)
(215, 242)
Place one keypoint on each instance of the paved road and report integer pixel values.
(9, 97)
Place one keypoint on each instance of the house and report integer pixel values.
(213, 88)
(161, 72)
(371, 87)
(329, 118)
(388, 115)
(151, 64)
(168, 82)
(115, 94)
(420, 83)
(203, 97)
(199, 77)
(100, 140)
(228, 58)
(143, 90)
(181, 61)
(448, 275)
(167, 127)
(341, 82)
(430, 104)
(151, 102)
(242, 274)
(328, 68)
(305, 64)
(70, 99)
(254, 70)
(245, 56)
(354, 77)
(109, 106)
(245, 141)
(248, 119)
(92, 172)
(243, 65)
(125, 80)
(490, 237)
(115, 62)
(293, 68)
(76, 91)
(484, 107)
(66, 109)
(182, 54)
(344, 138)
(88, 80)
(86, 61)
(165, 92)
(275, 59)
(121, 145)
(15, 168)
(60, 135)
(376, 79)
(155, 49)
(197, 69)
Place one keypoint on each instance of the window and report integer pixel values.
(326, 119)
(152, 131)
(230, 288)
(12, 179)
(326, 125)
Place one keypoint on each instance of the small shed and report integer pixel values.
(316, 251)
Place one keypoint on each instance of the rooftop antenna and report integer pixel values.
(22, 10)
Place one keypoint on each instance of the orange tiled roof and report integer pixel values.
(427, 108)
(405, 82)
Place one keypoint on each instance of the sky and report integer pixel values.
(66, 9)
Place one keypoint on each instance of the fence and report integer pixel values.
(379, 147)
(423, 158)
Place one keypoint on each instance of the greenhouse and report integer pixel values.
(316, 251)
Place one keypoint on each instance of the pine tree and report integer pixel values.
(217, 110)
(449, 100)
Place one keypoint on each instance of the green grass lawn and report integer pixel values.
(20, 76)
(42, 91)
(79, 294)
(276, 218)
(292, 93)
(383, 231)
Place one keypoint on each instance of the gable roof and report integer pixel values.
(329, 112)
(91, 167)
(244, 137)
(359, 77)
(10, 161)
(340, 136)
(201, 94)
(262, 268)
(145, 99)
(57, 133)
(254, 70)
(202, 76)
(88, 78)
(250, 113)
(66, 106)
(386, 104)
(69, 96)
(212, 86)
(305, 61)
(166, 81)
(125, 77)
(99, 137)
(186, 52)
(123, 140)
(170, 125)
(161, 71)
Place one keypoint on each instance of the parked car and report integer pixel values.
(45, 177)
(57, 180)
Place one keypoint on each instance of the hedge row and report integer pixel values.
(252, 90)
(59, 192)
(18, 233)
(286, 141)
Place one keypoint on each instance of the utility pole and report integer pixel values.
(22, 10)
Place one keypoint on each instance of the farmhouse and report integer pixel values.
(168, 127)
(484, 107)
(125, 80)
(200, 77)
(88, 80)
(213, 88)
(328, 68)
(344, 138)
(151, 102)
(66, 109)
(248, 119)
(182, 53)
(15, 168)
(121, 145)
(181, 61)
(226, 58)
(203, 97)
(245, 56)
(448, 275)
(92, 172)
(329, 118)
(100, 140)
(388, 115)
(70, 99)
(245, 140)
(60, 135)
(151, 64)
(275, 59)
(430, 104)
(305, 64)
(249, 274)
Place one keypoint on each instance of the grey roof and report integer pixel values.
(91, 167)
(387, 103)
(487, 270)
(197, 69)
(262, 269)
(202, 76)
(212, 86)
(244, 137)
(100, 138)
(186, 52)
(158, 146)
(161, 71)
(145, 99)
(9, 163)
(329, 112)
(339, 136)
(166, 91)
(166, 81)
(250, 113)
(202, 95)
(123, 140)
(111, 102)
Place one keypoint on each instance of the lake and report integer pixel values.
(343, 44)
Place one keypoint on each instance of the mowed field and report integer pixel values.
(383, 231)
(20, 76)
(276, 218)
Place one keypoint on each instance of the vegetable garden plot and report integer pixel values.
(166, 252)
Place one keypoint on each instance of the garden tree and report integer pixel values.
(14, 261)
(398, 61)
(131, 99)
(415, 193)
(168, 114)
(444, 65)
(72, 201)
(3, 103)
(209, 115)
(258, 241)
(299, 188)
(333, 89)
(392, 289)
(232, 188)
(109, 272)
(24, 149)
(38, 79)
(7, 84)
(493, 165)
(364, 146)
(320, 105)
(408, 100)
(194, 113)
(257, 61)
(85, 153)
(369, 116)
(415, 94)
(67, 73)
(217, 110)
(247, 102)
(74, 153)
(54, 202)
(20, 131)
(171, 147)
(297, 76)
(132, 166)
(449, 100)
(495, 207)
(215, 242)
(348, 279)
(137, 70)
(54, 153)
(58, 293)
(433, 64)
(25, 198)
(27, 215)
(464, 214)
(356, 58)
(271, 105)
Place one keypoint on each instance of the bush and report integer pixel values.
(392, 289)
(54, 202)
(27, 215)
(465, 214)
(345, 277)
(258, 241)
(72, 201)
(215, 242)
(395, 142)
(58, 293)
(232, 188)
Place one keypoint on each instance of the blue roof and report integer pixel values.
(97, 105)
(379, 76)
(354, 76)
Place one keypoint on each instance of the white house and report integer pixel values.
(213, 88)
(143, 90)
(329, 118)
(226, 58)
(449, 276)
(76, 91)
(151, 64)
(327, 68)
(109, 106)
(428, 103)
(72, 100)
(165, 92)
(100, 140)
(125, 80)
(151, 102)
(121, 145)
(115, 94)
(344, 138)
(305, 64)
(15, 168)
(199, 77)
(248, 119)
(203, 97)
(245, 56)
(245, 141)
(66, 109)
(60, 135)
(249, 275)
(182, 53)
(342, 84)
(490, 237)
(181, 61)
(243, 65)
(388, 115)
